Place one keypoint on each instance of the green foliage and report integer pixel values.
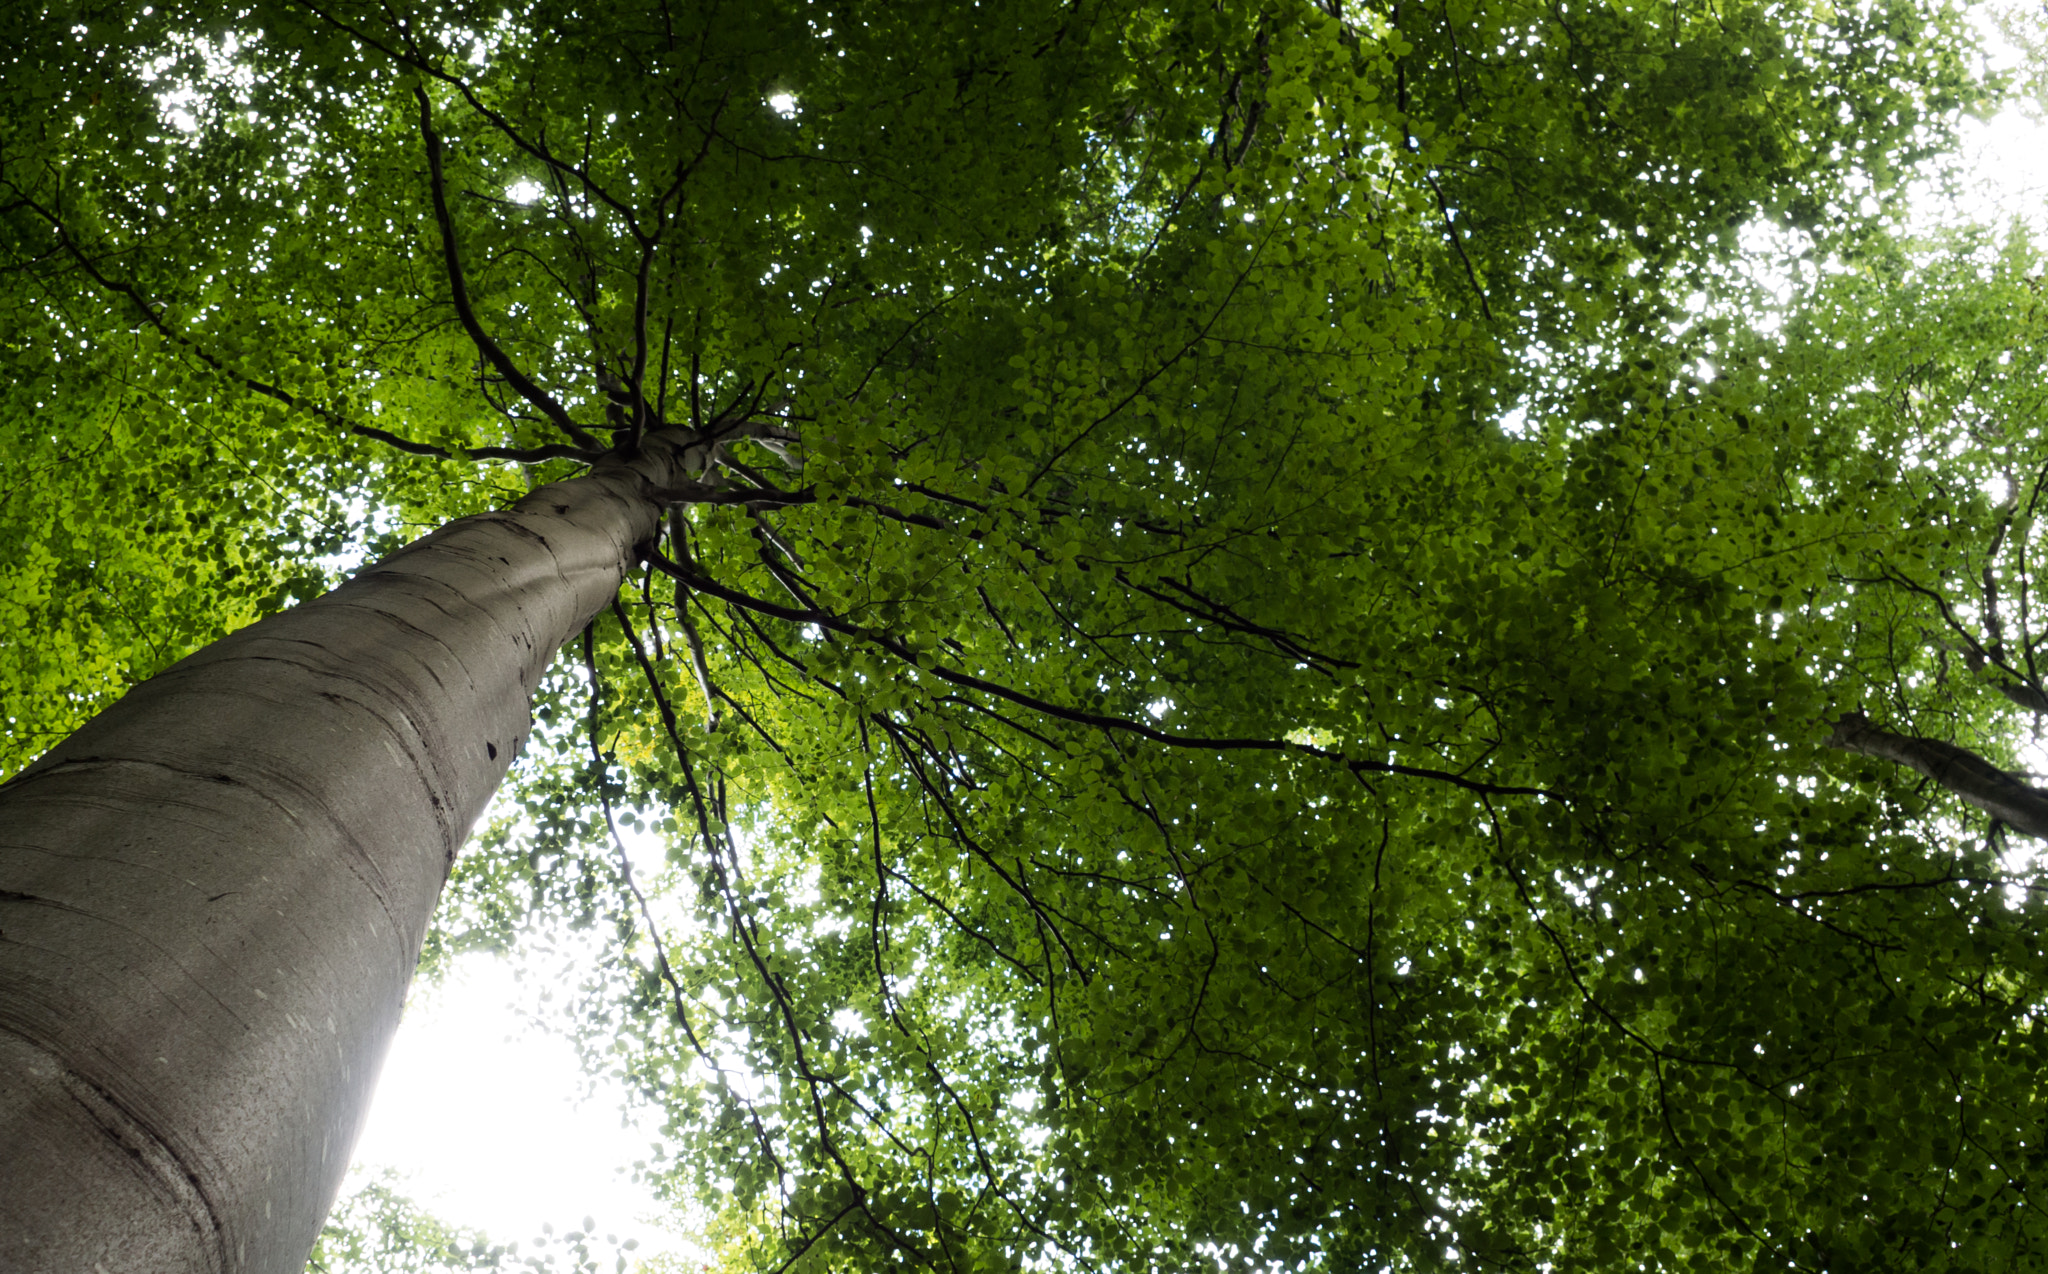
(377, 1229)
(1244, 695)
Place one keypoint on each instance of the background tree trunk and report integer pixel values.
(213, 895)
(2019, 805)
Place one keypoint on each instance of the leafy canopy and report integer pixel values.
(1239, 691)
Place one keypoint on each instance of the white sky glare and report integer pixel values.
(2002, 161)
(478, 1111)
(488, 1119)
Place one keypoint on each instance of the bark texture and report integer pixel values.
(2019, 805)
(212, 897)
(2024, 695)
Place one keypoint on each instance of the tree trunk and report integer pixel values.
(2019, 805)
(212, 897)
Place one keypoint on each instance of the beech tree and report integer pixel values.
(1242, 645)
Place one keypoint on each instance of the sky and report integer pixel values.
(2004, 162)
(483, 1114)
(2004, 159)
(489, 1120)
(486, 1115)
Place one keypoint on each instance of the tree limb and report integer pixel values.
(154, 317)
(698, 664)
(824, 619)
(2020, 806)
(458, 289)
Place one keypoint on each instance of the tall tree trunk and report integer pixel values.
(213, 895)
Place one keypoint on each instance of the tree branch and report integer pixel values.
(824, 619)
(154, 317)
(458, 289)
(698, 664)
(2020, 806)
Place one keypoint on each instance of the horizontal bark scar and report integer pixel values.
(155, 1157)
(362, 864)
(518, 527)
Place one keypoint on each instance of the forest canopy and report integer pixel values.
(1290, 654)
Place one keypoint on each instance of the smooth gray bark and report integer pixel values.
(2024, 695)
(212, 897)
(1975, 657)
(2019, 805)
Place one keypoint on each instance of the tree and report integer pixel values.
(1165, 773)
(380, 1228)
